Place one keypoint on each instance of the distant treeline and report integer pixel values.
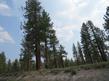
(40, 41)
(8, 66)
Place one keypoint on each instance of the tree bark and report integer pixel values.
(46, 55)
(38, 60)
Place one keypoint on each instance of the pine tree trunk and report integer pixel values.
(82, 58)
(62, 63)
(55, 62)
(29, 63)
(46, 55)
(38, 60)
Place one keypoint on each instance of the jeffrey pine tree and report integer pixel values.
(80, 53)
(86, 43)
(2, 62)
(106, 25)
(32, 28)
(53, 45)
(61, 54)
(47, 28)
(38, 34)
(98, 37)
(106, 18)
(26, 55)
(9, 66)
(93, 43)
(75, 54)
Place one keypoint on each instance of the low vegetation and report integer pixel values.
(61, 73)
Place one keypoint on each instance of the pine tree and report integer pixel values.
(62, 54)
(106, 18)
(99, 42)
(67, 62)
(32, 28)
(26, 56)
(46, 25)
(80, 52)
(75, 54)
(86, 43)
(53, 45)
(2, 62)
(38, 31)
(106, 27)
(9, 66)
(93, 42)
(15, 66)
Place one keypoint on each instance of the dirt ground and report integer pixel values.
(83, 75)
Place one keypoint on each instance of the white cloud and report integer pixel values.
(63, 32)
(66, 33)
(5, 10)
(75, 12)
(5, 36)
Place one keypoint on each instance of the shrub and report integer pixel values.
(73, 72)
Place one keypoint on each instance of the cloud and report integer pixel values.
(66, 33)
(5, 10)
(5, 36)
(75, 12)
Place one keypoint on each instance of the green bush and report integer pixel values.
(73, 72)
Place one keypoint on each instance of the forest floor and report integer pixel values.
(96, 72)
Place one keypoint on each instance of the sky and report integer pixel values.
(67, 16)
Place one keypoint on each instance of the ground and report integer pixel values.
(83, 75)
(93, 72)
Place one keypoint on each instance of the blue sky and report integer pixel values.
(67, 15)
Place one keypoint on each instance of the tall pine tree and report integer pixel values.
(32, 29)
(99, 41)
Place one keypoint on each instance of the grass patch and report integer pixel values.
(55, 71)
(95, 66)
(71, 71)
